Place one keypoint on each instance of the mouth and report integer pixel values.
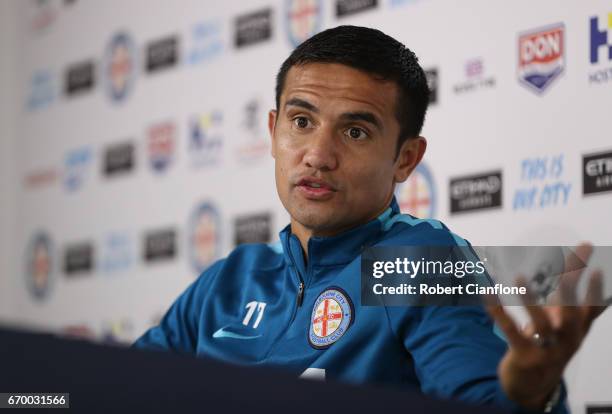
(315, 189)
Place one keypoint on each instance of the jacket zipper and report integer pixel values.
(300, 294)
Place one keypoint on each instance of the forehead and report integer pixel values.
(332, 84)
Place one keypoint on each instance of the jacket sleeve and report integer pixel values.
(456, 353)
(178, 329)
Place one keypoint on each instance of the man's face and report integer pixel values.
(334, 142)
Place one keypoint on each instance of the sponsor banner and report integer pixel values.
(160, 245)
(475, 78)
(117, 252)
(119, 67)
(206, 42)
(78, 258)
(76, 168)
(161, 145)
(119, 159)
(42, 90)
(253, 28)
(543, 184)
(116, 332)
(253, 228)
(417, 195)
(350, 7)
(432, 82)
(541, 57)
(597, 173)
(41, 178)
(80, 78)
(476, 192)
(204, 236)
(303, 19)
(206, 139)
(600, 55)
(39, 266)
(162, 54)
(254, 145)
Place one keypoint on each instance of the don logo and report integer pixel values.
(541, 57)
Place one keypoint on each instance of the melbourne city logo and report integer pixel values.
(161, 145)
(119, 66)
(76, 168)
(475, 78)
(162, 54)
(542, 184)
(253, 28)
(206, 42)
(206, 138)
(204, 236)
(39, 265)
(601, 49)
(417, 195)
(597, 173)
(476, 192)
(541, 57)
(332, 315)
(303, 19)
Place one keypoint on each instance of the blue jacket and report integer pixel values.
(263, 305)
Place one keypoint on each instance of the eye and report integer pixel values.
(356, 134)
(301, 122)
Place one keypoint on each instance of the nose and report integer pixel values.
(321, 152)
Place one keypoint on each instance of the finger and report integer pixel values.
(508, 327)
(594, 302)
(539, 318)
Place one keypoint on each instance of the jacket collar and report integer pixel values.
(339, 249)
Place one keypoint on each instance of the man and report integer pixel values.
(350, 104)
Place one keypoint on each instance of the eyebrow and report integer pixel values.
(364, 116)
(302, 104)
(368, 117)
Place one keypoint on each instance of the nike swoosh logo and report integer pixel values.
(222, 333)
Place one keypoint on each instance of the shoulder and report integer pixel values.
(247, 257)
(407, 229)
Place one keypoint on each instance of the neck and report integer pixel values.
(304, 233)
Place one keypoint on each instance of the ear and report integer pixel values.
(271, 126)
(410, 154)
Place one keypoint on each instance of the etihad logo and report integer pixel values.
(597, 173)
(253, 28)
(476, 192)
(162, 54)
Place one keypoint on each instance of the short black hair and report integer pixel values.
(376, 53)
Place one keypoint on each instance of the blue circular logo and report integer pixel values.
(332, 315)
(39, 266)
(204, 236)
(119, 67)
